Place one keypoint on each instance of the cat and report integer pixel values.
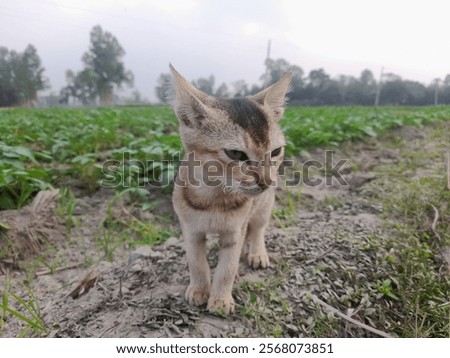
(225, 183)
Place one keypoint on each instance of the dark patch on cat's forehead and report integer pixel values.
(249, 116)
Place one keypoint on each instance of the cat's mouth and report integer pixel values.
(251, 190)
(248, 190)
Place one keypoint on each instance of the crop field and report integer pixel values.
(377, 252)
(40, 147)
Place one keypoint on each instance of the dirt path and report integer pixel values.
(320, 245)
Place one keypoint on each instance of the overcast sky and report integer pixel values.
(229, 38)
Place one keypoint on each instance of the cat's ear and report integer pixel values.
(188, 101)
(274, 97)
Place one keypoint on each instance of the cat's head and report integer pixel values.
(242, 134)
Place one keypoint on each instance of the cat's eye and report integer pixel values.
(275, 152)
(236, 154)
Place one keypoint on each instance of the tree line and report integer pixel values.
(22, 74)
(22, 77)
(317, 88)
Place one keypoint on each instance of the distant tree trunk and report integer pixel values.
(436, 91)
(106, 98)
(29, 103)
(378, 93)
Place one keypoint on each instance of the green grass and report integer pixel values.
(25, 309)
(66, 207)
(264, 305)
(415, 201)
(289, 201)
(418, 282)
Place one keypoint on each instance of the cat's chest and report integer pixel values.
(212, 216)
(217, 222)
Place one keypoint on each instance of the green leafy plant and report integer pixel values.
(39, 148)
(385, 287)
(17, 182)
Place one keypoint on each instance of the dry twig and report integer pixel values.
(349, 319)
(435, 220)
(85, 285)
(322, 255)
(59, 269)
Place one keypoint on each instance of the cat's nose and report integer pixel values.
(264, 184)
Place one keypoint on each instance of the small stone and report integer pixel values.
(172, 241)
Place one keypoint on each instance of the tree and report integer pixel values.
(367, 79)
(21, 77)
(445, 91)
(8, 94)
(275, 69)
(321, 89)
(240, 88)
(29, 75)
(81, 86)
(255, 89)
(349, 88)
(416, 93)
(205, 85)
(368, 87)
(222, 91)
(393, 92)
(359, 91)
(297, 84)
(397, 91)
(103, 69)
(164, 83)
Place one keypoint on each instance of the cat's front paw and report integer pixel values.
(258, 260)
(221, 305)
(197, 296)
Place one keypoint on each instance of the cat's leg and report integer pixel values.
(200, 277)
(257, 255)
(226, 270)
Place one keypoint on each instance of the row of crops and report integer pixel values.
(41, 147)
